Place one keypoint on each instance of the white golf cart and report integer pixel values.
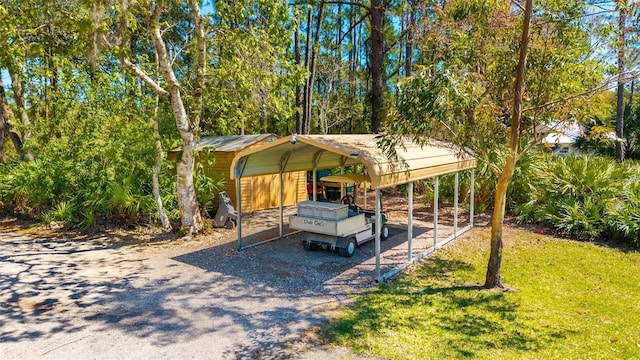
(341, 226)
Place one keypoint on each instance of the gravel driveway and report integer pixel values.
(113, 298)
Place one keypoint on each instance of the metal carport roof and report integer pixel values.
(312, 152)
(309, 152)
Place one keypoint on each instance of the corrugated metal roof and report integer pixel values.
(230, 142)
(328, 151)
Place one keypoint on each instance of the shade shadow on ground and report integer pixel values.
(62, 295)
(56, 292)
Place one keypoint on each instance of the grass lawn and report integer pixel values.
(569, 300)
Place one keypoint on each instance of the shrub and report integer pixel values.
(586, 197)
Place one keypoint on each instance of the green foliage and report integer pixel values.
(463, 92)
(93, 158)
(63, 211)
(586, 197)
(572, 300)
(485, 183)
(206, 185)
(252, 77)
(600, 133)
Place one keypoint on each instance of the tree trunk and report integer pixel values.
(6, 116)
(376, 57)
(353, 36)
(308, 99)
(305, 96)
(296, 49)
(155, 183)
(25, 123)
(3, 98)
(621, 68)
(408, 49)
(51, 84)
(187, 202)
(495, 257)
(201, 65)
(312, 70)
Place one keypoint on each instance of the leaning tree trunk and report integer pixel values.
(495, 257)
(18, 96)
(376, 58)
(187, 202)
(155, 183)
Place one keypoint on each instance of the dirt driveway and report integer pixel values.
(115, 298)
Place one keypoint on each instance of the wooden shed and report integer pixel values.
(258, 192)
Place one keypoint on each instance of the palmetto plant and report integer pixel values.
(63, 211)
(585, 197)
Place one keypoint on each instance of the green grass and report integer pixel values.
(569, 300)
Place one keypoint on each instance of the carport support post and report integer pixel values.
(315, 183)
(283, 166)
(455, 205)
(410, 226)
(365, 194)
(435, 212)
(314, 172)
(343, 162)
(378, 224)
(472, 196)
(281, 206)
(239, 205)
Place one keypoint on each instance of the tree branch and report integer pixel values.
(348, 32)
(135, 70)
(144, 77)
(629, 76)
(517, 4)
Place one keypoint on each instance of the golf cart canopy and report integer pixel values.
(312, 152)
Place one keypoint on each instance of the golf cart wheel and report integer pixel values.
(347, 199)
(350, 249)
(384, 232)
(308, 246)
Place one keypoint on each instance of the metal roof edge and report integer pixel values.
(368, 165)
(249, 151)
(259, 137)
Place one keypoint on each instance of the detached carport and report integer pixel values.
(313, 152)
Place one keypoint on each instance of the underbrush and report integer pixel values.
(81, 195)
(586, 197)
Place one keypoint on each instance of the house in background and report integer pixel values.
(258, 192)
(560, 137)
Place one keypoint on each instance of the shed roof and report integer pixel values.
(230, 142)
(300, 152)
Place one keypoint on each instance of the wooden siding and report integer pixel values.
(263, 192)
(258, 192)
